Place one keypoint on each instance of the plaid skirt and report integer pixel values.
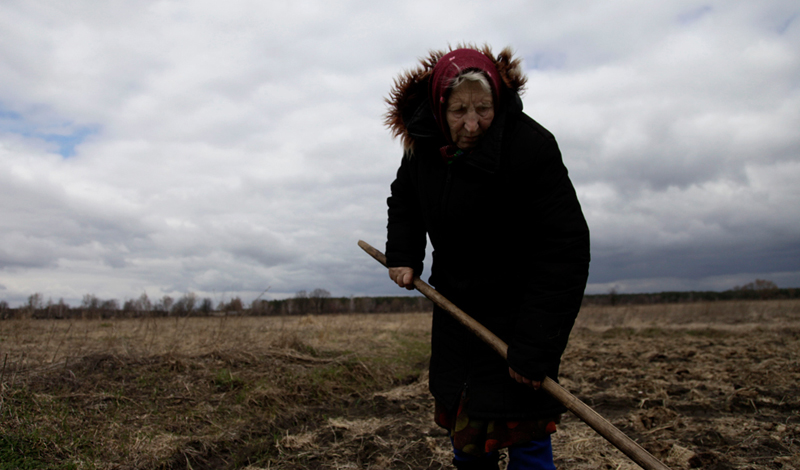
(481, 436)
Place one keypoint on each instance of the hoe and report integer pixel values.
(583, 411)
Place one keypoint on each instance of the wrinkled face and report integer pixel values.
(470, 111)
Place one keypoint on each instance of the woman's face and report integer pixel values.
(469, 113)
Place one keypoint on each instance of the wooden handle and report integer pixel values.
(583, 411)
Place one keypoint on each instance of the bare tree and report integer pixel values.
(143, 304)
(300, 302)
(185, 305)
(166, 303)
(762, 287)
(110, 305)
(758, 285)
(206, 306)
(137, 307)
(58, 310)
(35, 302)
(90, 302)
(234, 306)
(318, 298)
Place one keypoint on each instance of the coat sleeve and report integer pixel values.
(406, 239)
(555, 264)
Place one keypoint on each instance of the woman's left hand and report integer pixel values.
(524, 380)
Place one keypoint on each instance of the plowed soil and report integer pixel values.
(713, 386)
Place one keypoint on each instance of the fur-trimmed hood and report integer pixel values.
(411, 89)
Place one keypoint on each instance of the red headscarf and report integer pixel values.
(449, 67)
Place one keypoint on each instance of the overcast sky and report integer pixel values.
(224, 148)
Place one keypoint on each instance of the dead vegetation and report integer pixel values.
(699, 385)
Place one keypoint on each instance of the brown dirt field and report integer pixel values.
(706, 385)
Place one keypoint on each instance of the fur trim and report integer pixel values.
(410, 88)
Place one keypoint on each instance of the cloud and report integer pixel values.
(169, 147)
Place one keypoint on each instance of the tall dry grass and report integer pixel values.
(36, 343)
(724, 314)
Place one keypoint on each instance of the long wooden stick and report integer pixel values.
(583, 411)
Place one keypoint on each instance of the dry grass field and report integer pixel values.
(704, 385)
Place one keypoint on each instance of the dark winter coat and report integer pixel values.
(510, 247)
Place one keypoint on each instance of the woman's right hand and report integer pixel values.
(403, 277)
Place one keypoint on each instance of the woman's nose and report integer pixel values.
(471, 122)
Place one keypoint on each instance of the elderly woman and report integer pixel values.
(486, 184)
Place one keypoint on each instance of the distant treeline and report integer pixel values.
(760, 289)
(320, 302)
(614, 298)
